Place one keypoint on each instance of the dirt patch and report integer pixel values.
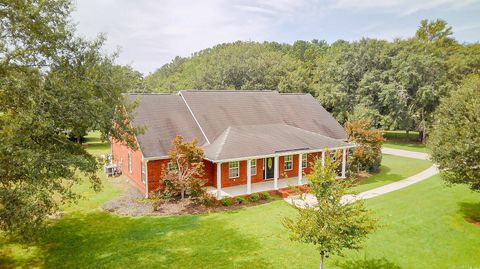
(474, 221)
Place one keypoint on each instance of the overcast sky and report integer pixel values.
(151, 33)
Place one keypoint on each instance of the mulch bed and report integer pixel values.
(132, 203)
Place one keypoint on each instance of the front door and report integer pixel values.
(268, 168)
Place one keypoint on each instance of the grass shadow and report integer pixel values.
(368, 264)
(104, 240)
(471, 212)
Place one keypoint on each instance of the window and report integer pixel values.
(171, 166)
(253, 167)
(233, 169)
(130, 162)
(304, 160)
(288, 162)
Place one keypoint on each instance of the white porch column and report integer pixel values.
(219, 180)
(323, 158)
(300, 169)
(344, 162)
(275, 174)
(249, 176)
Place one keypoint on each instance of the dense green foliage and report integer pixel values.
(455, 140)
(52, 84)
(395, 85)
(331, 225)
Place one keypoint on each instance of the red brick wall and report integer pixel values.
(120, 157)
(242, 179)
(155, 170)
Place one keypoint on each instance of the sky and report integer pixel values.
(151, 33)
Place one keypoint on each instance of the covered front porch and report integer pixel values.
(266, 185)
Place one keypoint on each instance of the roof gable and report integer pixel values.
(163, 116)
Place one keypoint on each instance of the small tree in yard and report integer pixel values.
(330, 225)
(368, 153)
(187, 158)
(455, 139)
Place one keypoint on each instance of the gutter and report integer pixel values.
(278, 153)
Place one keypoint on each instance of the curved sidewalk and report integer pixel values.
(310, 200)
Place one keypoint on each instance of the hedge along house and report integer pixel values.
(253, 140)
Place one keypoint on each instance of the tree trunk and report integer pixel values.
(182, 193)
(321, 259)
(408, 135)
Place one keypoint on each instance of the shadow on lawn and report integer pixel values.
(368, 264)
(108, 241)
(471, 212)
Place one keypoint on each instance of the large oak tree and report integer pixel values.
(52, 83)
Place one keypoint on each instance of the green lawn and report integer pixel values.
(422, 226)
(399, 140)
(393, 168)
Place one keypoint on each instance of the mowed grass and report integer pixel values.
(400, 140)
(393, 168)
(423, 226)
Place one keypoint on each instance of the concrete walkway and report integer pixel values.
(310, 200)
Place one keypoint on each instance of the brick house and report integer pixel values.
(253, 140)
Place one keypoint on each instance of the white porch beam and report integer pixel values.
(219, 180)
(300, 169)
(344, 162)
(249, 176)
(275, 173)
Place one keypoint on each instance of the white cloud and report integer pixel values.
(151, 33)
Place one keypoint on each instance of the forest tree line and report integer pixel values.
(394, 84)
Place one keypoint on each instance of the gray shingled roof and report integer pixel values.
(220, 112)
(266, 139)
(164, 116)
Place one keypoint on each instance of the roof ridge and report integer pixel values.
(149, 93)
(294, 93)
(229, 91)
(314, 133)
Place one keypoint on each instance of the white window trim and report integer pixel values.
(289, 161)
(130, 162)
(253, 167)
(230, 168)
(304, 158)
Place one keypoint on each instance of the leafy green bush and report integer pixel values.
(241, 200)
(264, 195)
(227, 201)
(254, 197)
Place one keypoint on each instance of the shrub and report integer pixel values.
(226, 201)
(241, 200)
(254, 197)
(264, 195)
(207, 199)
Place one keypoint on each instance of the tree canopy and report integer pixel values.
(52, 84)
(395, 85)
(455, 140)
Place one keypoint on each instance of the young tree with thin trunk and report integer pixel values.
(187, 174)
(331, 225)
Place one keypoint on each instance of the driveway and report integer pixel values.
(310, 200)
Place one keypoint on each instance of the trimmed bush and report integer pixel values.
(254, 197)
(264, 195)
(226, 201)
(207, 199)
(241, 200)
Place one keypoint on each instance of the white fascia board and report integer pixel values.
(193, 115)
(280, 154)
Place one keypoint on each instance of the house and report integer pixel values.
(253, 140)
